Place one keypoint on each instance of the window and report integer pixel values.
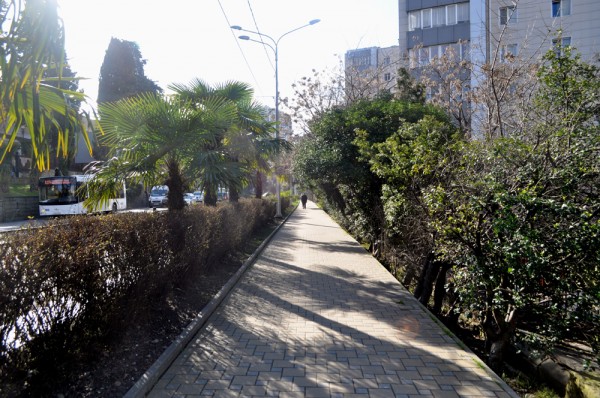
(559, 44)
(508, 14)
(439, 16)
(412, 57)
(426, 19)
(361, 61)
(445, 50)
(424, 56)
(386, 60)
(462, 13)
(387, 77)
(414, 20)
(451, 14)
(509, 51)
(465, 50)
(561, 8)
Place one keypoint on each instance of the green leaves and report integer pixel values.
(32, 60)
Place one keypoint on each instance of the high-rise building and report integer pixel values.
(496, 28)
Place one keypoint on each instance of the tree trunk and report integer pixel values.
(411, 271)
(498, 339)
(422, 274)
(210, 195)
(432, 272)
(258, 185)
(440, 288)
(234, 195)
(175, 184)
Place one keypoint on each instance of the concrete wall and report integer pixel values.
(16, 209)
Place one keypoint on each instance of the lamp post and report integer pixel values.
(274, 45)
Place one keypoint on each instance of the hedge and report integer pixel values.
(78, 279)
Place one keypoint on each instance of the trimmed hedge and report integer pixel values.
(63, 286)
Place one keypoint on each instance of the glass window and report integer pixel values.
(462, 14)
(509, 51)
(451, 14)
(561, 8)
(508, 14)
(424, 56)
(465, 50)
(426, 19)
(559, 44)
(445, 50)
(387, 77)
(439, 16)
(414, 20)
(412, 56)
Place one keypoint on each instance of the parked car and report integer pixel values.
(198, 196)
(158, 196)
(222, 194)
(189, 198)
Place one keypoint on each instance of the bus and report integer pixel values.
(59, 196)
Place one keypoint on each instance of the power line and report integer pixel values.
(239, 47)
(260, 35)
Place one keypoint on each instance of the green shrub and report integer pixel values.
(81, 278)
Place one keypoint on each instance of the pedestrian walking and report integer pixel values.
(304, 199)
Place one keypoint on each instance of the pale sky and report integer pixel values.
(187, 39)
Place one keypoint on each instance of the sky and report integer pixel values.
(182, 40)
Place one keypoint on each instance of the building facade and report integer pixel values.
(485, 30)
(528, 28)
(371, 70)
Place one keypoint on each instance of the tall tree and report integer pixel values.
(237, 150)
(194, 134)
(153, 137)
(122, 73)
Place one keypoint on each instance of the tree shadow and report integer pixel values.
(300, 325)
(289, 329)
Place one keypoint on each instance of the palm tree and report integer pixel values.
(151, 136)
(236, 153)
(31, 44)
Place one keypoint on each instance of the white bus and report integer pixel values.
(59, 196)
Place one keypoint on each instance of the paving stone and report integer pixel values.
(190, 389)
(381, 393)
(254, 391)
(317, 392)
(317, 316)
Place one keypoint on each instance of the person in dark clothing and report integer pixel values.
(303, 199)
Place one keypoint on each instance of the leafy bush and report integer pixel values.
(81, 278)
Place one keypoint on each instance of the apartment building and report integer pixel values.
(477, 30)
(371, 70)
(491, 29)
(429, 28)
(528, 28)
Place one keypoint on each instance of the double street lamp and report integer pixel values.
(274, 45)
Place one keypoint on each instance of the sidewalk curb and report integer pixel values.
(145, 383)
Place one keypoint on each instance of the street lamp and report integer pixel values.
(274, 45)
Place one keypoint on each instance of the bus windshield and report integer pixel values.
(58, 190)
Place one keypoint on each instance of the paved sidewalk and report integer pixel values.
(317, 316)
